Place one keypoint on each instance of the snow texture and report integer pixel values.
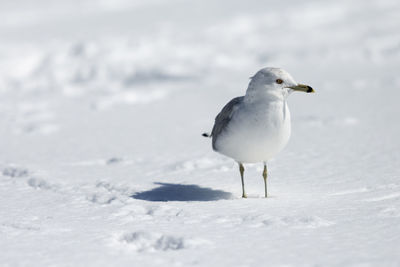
(102, 107)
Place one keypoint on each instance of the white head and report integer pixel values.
(274, 83)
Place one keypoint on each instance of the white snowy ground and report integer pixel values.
(102, 106)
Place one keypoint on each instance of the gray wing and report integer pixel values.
(224, 117)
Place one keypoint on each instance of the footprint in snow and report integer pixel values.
(41, 184)
(142, 241)
(114, 160)
(107, 193)
(15, 172)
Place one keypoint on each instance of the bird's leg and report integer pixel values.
(241, 169)
(265, 174)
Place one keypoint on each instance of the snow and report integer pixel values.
(102, 107)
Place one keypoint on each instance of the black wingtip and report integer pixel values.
(206, 135)
(310, 90)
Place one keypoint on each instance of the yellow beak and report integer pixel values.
(302, 88)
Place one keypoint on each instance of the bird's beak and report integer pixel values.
(302, 88)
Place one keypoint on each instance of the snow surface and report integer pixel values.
(102, 106)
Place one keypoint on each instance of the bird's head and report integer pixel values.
(274, 83)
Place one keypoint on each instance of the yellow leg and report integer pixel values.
(241, 169)
(265, 174)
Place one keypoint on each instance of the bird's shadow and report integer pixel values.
(181, 192)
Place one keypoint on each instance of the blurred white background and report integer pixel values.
(101, 101)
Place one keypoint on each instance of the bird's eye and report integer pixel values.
(279, 81)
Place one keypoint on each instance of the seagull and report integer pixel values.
(255, 127)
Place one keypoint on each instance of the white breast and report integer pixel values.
(256, 133)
